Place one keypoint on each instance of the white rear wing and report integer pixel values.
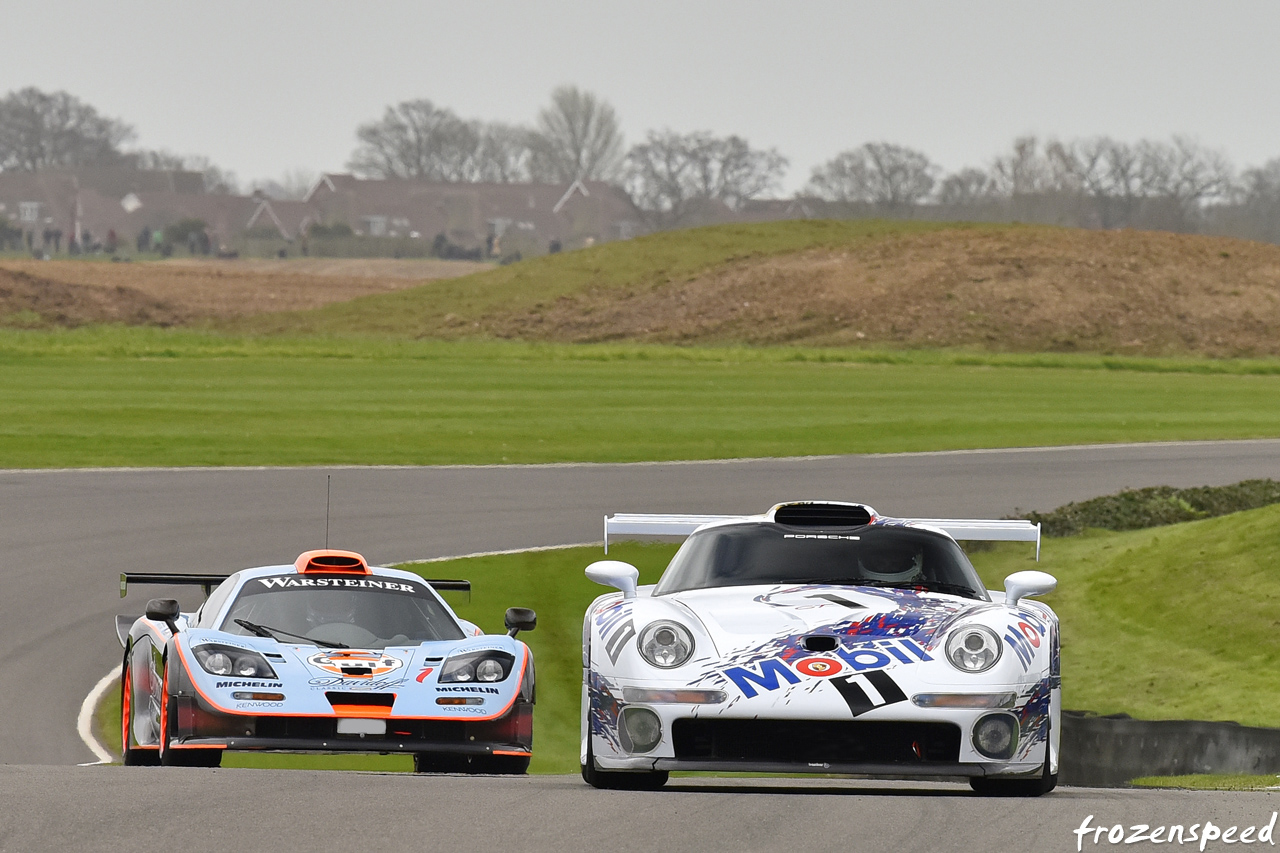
(632, 524)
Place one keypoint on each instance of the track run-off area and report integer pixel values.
(65, 536)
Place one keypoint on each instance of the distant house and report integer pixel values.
(127, 201)
(498, 218)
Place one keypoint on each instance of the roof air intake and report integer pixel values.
(331, 562)
(823, 515)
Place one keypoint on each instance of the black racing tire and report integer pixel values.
(1036, 786)
(632, 780)
(497, 765)
(130, 756)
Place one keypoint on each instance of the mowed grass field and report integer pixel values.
(141, 397)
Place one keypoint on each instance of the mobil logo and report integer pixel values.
(1024, 637)
(771, 673)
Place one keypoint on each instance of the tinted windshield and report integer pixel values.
(367, 612)
(744, 554)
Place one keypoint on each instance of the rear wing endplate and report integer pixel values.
(627, 525)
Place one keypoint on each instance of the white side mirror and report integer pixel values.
(617, 574)
(1019, 585)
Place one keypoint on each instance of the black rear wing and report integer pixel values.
(208, 582)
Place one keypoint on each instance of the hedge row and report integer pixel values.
(1134, 509)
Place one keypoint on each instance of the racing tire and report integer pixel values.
(129, 756)
(1034, 787)
(170, 757)
(642, 780)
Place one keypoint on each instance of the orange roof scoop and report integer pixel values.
(331, 562)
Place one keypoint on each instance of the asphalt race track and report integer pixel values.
(65, 536)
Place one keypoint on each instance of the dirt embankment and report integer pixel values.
(1009, 289)
(1027, 289)
(180, 292)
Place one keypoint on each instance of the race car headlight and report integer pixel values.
(228, 660)
(666, 644)
(487, 666)
(973, 648)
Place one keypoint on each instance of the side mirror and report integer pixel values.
(164, 610)
(520, 619)
(1020, 585)
(616, 574)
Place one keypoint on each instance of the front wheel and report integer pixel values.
(170, 757)
(1033, 787)
(130, 756)
(610, 780)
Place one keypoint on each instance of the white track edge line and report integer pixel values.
(84, 722)
(497, 553)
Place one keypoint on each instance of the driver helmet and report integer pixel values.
(892, 564)
(327, 608)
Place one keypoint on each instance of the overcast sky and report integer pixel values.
(270, 86)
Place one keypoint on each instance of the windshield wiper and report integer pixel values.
(270, 634)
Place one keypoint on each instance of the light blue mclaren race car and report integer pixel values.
(326, 655)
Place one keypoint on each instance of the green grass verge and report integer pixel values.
(114, 397)
(1210, 782)
(448, 307)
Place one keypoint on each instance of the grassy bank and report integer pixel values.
(121, 397)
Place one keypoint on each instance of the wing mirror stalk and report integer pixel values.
(616, 574)
(520, 619)
(164, 610)
(1020, 585)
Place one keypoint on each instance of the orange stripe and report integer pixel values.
(364, 711)
(511, 752)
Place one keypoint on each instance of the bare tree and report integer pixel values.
(881, 173)
(679, 179)
(577, 138)
(40, 130)
(964, 188)
(1023, 171)
(216, 179)
(504, 153)
(416, 139)
(1184, 171)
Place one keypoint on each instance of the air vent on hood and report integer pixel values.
(823, 515)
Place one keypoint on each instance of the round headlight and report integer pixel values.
(488, 670)
(973, 648)
(218, 664)
(246, 667)
(641, 729)
(465, 672)
(666, 644)
(996, 735)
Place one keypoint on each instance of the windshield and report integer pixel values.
(366, 612)
(767, 553)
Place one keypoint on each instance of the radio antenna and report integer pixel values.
(328, 483)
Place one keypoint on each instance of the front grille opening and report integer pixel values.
(806, 742)
(822, 515)
(385, 700)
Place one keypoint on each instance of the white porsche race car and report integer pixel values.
(823, 638)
